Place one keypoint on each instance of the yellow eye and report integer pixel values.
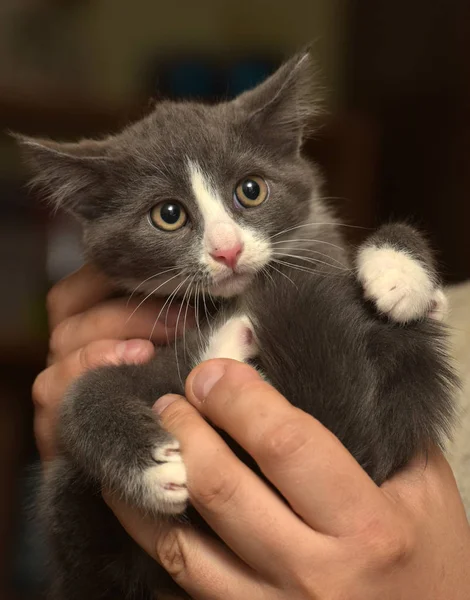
(168, 216)
(251, 191)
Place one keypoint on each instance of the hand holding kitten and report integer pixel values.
(416, 528)
(341, 536)
(88, 331)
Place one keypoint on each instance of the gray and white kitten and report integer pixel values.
(217, 201)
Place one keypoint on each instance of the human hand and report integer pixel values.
(89, 330)
(341, 536)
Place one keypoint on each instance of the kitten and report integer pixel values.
(216, 202)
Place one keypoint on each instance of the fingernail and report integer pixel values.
(134, 351)
(164, 402)
(206, 378)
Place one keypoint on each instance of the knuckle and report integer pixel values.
(171, 552)
(390, 545)
(56, 298)
(305, 585)
(178, 417)
(283, 442)
(56, 340)
(400, 547)
(88, 357)
(217, 489)
(40, 387)
(297, 578)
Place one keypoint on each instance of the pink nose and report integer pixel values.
(228, 256)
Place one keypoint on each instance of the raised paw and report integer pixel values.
(235, 340)
(439, 306)
(162, 485)
(398, 284)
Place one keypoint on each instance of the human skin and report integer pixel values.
(339, 537)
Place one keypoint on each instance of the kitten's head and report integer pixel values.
(192, 194)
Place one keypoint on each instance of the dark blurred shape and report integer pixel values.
(206, 79)
(29, 564)
(246, 74)
(409, 69)
(184, 78)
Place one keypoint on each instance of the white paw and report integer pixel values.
(235, 340)
(164, 484)
(397, 283)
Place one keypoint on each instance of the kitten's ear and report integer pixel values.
(73, 176)
(282, 107)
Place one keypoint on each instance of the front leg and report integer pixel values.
(397, 271)
(235, 339)
(108, 429)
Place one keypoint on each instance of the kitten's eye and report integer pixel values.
(168, 216)
(251, 192)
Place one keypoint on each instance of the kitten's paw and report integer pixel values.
(235, 340)
(398, 284)
(439, 306)
(162, 485)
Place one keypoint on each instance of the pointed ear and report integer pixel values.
(73, 176)
(282, 107)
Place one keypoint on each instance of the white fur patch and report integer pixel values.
(396, 282)
(235, 340)
(222, 231)
(164, 484)
(208, 200)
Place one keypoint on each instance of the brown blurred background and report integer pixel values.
(396, 144)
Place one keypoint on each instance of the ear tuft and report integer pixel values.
(70, 175)
(285, 105)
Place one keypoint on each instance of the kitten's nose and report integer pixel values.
(228, 256)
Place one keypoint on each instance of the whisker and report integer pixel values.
(205, 310)
(301, 268)
(313, 224)
(173, 297)
(281, 251)
(281, 273)
(268, 274)
(312, 260)
(311, 240)
(196, 309)
(201, 333)
(176, 329)
(148, 279)
(186, 317)
(211, 298)
(305, 269)
(170, 300)
(148, 296)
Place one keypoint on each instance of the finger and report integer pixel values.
(230, 497)
(77, 293)
(51, 385)
(306, 462)
(116, 319)
(200, 565)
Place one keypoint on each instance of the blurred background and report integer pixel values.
(396, 144)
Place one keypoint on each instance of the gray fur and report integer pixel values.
(384, 389)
